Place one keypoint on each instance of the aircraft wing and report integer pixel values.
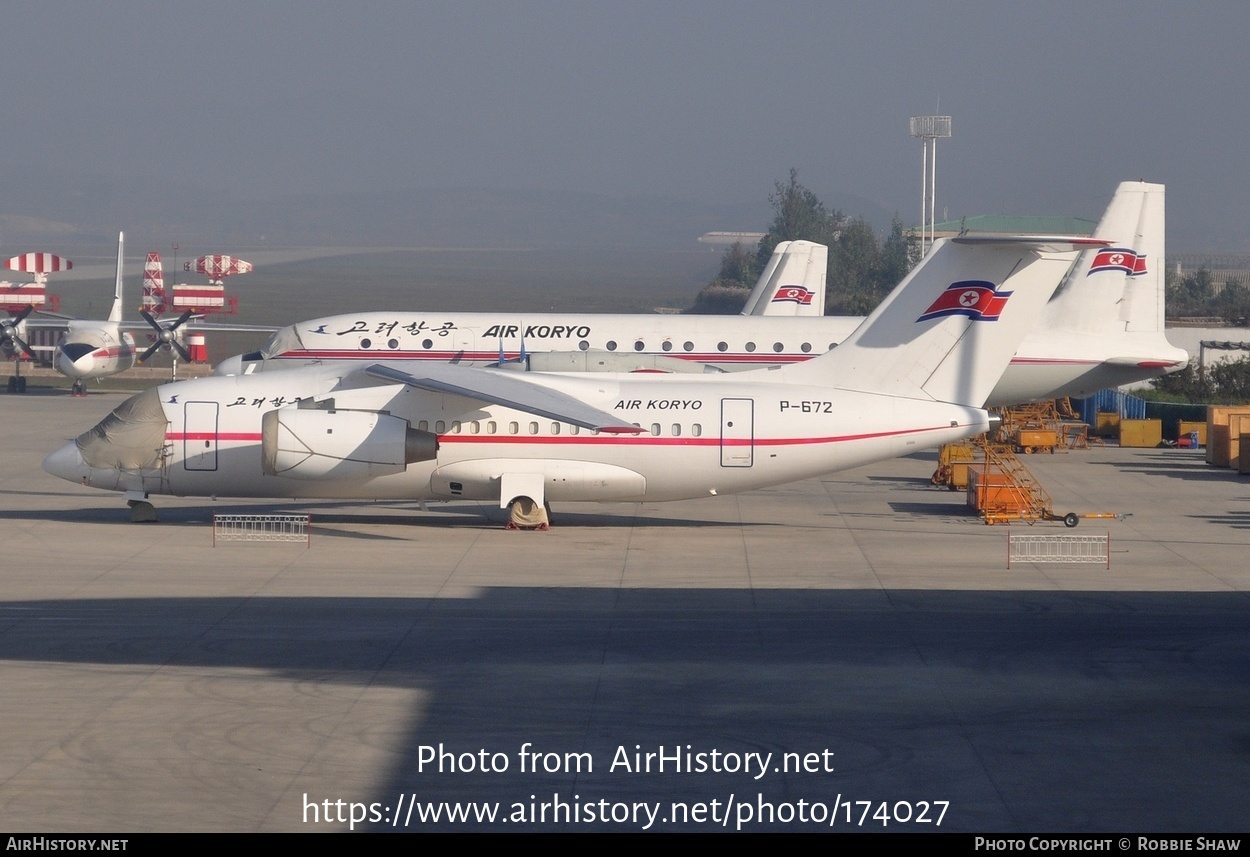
(42, 320)
(509, 389)
(56, 320)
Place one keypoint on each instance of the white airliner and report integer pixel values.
(1103, 328)
(915, 374)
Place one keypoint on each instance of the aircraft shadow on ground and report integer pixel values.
(1030, 711)
(1237, 520)
(485, 516)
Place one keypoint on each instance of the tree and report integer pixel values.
(1223, 383)
(898, 255)
(798, 215)
(1233, 303)
(861, 271)
(728, 293)
(854, 278)
(1190, 295)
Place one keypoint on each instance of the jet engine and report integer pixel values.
(331, 444)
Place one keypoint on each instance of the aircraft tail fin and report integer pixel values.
(948, 331)
(1142, 310)
(115, 315)
(793, 281)
(1119, 288)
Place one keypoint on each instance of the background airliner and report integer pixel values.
(1103, 328)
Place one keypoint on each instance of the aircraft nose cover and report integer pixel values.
(130, 438)
(66, 463)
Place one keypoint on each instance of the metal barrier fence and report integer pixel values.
(1036, 548)
(262, 528)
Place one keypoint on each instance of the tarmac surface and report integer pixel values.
(862, 623)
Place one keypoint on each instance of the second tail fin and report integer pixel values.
(793, 282)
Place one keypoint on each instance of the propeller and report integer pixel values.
(9, 336)
(166, 337)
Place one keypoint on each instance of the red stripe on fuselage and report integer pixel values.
(588, 439)
(762, 359)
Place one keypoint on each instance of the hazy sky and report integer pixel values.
(1052, 103)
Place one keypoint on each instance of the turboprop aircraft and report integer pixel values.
(91, 349)
(1103, 328)
(97, 349)
(915, 374)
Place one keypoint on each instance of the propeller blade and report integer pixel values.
(8, 331)
(148, 317)
(186, 355)
(152, 349)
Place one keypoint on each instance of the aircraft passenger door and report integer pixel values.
(460, 342)
(199, 439)
(737, 432)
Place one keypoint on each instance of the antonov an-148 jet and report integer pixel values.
(914, 374)
(1103, 328)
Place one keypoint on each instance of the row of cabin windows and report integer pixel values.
(514, 427)
(639, 345)
(722, 346)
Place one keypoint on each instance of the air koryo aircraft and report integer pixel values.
(915, 374)
(1103, 328)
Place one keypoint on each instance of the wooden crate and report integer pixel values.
(1107, 425)
(1218, 416)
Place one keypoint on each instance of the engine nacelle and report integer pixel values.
(329, 444)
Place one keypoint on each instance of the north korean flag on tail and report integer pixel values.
(975, 299)
(1119, 259)
(793, 294)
